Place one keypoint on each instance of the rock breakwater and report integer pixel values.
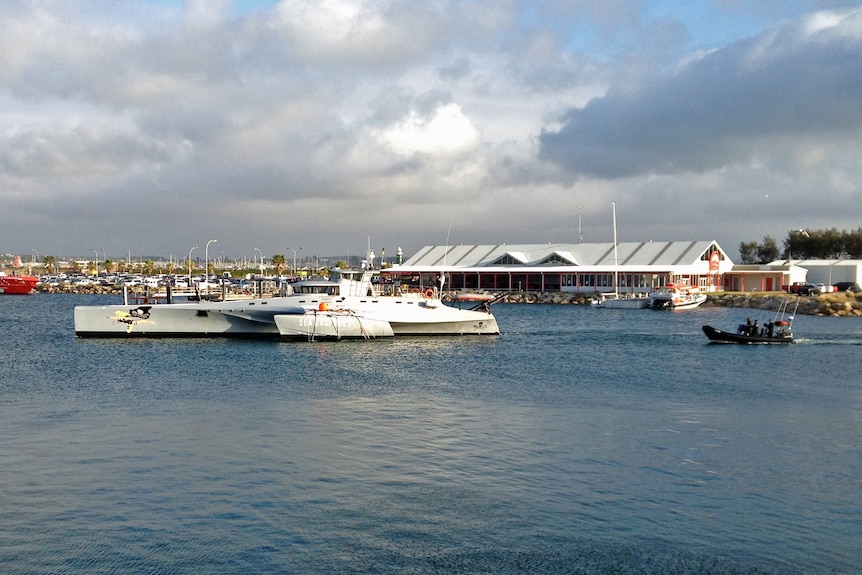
(79, 289)
(835, 304)
(545, 298)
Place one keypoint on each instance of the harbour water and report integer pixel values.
(579, 441)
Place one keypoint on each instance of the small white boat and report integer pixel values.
(675, 296)
(620, 301)
(325, 323)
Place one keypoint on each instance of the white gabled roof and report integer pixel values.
(629, 254)
(565, 256)
(517, 256)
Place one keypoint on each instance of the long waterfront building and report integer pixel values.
(633, 267)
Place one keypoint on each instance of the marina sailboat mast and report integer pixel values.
(445, 255)
(616, 255)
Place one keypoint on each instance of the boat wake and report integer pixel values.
(810, 341)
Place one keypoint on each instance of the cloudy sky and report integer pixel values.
(150, 127)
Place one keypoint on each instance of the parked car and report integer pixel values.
(848, 286)
(825, 288)
(802, 288)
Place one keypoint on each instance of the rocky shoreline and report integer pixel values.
(835, 304)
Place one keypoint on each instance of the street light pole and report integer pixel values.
(97, 262)
(261, 259)
(190, 266)
(294, 260)
(207, 262)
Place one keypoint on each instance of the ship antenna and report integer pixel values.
(580, 233)
(445, 254)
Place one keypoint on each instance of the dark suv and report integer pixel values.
(848, 286)
(801, 288)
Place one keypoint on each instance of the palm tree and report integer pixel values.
(50, 263)
(279, 262)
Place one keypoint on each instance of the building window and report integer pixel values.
(556, 260)
(552, 282)
(507, 260)
(470, 281)
(604, 280)
(519, 282)
(534, 282)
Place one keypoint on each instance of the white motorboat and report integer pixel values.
(676, 296)
(350, 291)
(620, 301)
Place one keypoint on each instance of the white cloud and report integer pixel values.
(344, 29)
(206, 13)
(445, 131)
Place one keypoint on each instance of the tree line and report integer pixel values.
(804, 245)
(149, 267)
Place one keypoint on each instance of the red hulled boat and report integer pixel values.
(17, 284)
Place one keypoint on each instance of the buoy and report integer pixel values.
(323, 306)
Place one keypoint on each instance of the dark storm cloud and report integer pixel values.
(797, 81)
